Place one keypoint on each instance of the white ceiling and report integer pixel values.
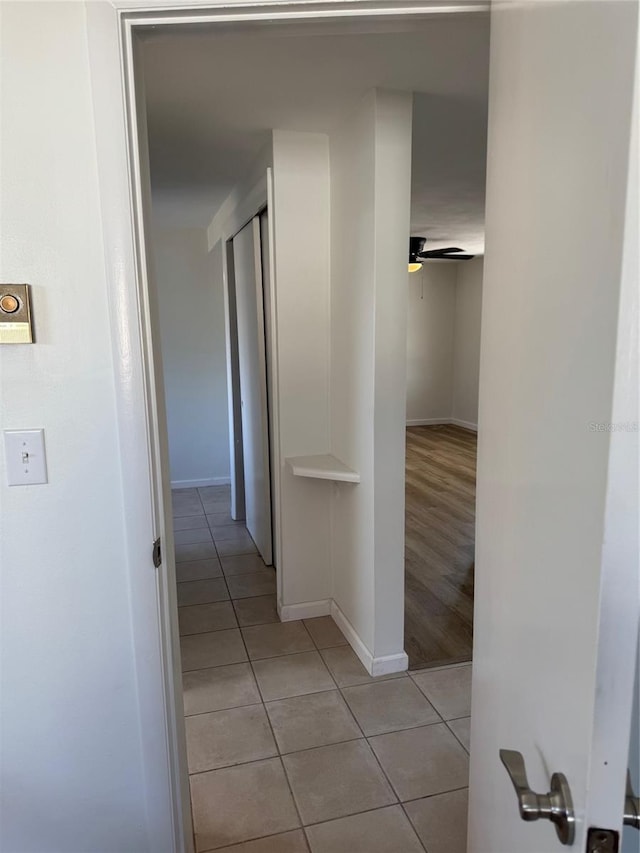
(213, 95)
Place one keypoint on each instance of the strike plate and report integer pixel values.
(602, 841)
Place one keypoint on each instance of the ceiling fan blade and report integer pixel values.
(437, 253)
(447, 253)
(447, 257)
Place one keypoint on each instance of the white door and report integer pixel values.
(556, 616)
(247, 256)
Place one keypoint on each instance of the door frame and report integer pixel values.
(112, 27)
(272, 438)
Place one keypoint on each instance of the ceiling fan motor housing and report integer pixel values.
(416, 245)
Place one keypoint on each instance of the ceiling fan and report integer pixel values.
(417, 255)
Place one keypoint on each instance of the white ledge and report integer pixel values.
(322, 467)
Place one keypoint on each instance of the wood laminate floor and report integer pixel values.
(440, 546)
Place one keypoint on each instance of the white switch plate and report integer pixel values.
(25, 457)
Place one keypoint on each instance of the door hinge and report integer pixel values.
(602, 840)
(157, 553)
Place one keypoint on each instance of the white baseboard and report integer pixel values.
(441, 421)
(428, 421)
(327, 607)
(465, 424)
(304, 610)
(387, 664)
(374, 666)
(200, 484)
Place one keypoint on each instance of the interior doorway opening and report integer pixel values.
(443, 360)
(237, 623)
(444, 307)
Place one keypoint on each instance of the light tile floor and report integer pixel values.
(292, 746)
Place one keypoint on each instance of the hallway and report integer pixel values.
(289, 740)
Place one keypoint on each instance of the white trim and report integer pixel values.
(273, 383)
(384, 665)
(158, 447)
(304, 610)
(427, 668)
(442, 421)
(388, 664)
(159, 12)
(428, 421)
(366, 658)
(200, 484)
(145, 480)
(465, 424)
(233, 382)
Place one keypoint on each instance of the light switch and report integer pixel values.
(25, 457)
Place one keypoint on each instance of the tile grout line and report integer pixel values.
(437, 794)
(411, 824)
(418, 799)
(468, 751)
(279, 754)
(237, 844)
(258, 660)
(217, 711)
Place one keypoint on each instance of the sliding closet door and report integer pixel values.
(253, 385)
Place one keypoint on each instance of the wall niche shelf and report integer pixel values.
(325, 466)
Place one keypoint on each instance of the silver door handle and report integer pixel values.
(631, 806)
(556, 806)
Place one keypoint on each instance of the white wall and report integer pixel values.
(71, 765)
(466, 342)
(431, 307)
(192, 332)
(443, 343)
(352, 151)
(393, 119)
(370, 191)
(301, 255)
